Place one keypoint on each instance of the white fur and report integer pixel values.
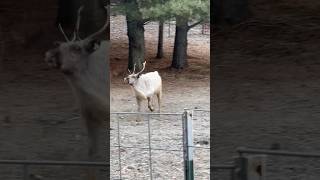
(148, 84)
(145, 87)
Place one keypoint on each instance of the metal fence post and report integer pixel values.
(149, 142)
(169, 28)
(2, 47)
(203, 28)
(251, 167)
(240, 169)
(188, 145)
(119, 146)
(25, 172)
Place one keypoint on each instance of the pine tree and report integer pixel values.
(138, 12)
(93, 16)
(160, 40)
(229, 11)
(184, 11)
(135, 30)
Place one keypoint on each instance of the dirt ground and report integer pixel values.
(37, 121)
(266, 87)
(186, 89)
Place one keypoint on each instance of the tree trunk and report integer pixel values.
(67, 12)
(160, 41)
(135, 32)
(229, 11)
(67, 15)
(179, 60)
(94, 16)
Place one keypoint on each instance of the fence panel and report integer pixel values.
(286, 164)
(33, 169)
(201, 141)
(148, 149)
(199, 30)
(154, 148)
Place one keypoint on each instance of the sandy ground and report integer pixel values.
(267, 88)
(186, 89)
(37, 121)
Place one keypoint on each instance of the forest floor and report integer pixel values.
(266, 87)
(37, 121)
(188, 88)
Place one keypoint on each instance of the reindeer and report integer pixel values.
(84, 63)
(145, 86)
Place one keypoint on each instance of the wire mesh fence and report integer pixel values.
(201, 139)
(153, 146)
(148, 146)
(199, 30)
(269, 164)
(282, 164)
(223, 171)
(36, 169)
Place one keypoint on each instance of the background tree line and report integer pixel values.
(186, 13)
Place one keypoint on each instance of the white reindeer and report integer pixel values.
(145, 86)
(84, 62)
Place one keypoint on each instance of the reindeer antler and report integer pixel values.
(64, 34)
(134, 68)
(100, 30)
(76, 30)
(104, 27)
(144, 66)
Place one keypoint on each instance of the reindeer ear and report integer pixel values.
(92, 45)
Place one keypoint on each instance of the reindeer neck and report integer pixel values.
(93, 80)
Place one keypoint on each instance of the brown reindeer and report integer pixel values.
(84, 62)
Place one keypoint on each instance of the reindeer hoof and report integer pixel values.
(151, 109)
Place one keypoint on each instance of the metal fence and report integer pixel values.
(186, 149)
(230, 168)
(251, 163)
(206, 28)
(201, 29)
(26, 163)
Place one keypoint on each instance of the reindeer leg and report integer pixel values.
(92, 149)
(139, 104)
(159, 101)
(150, 104)
(95, 140)
(139, 109)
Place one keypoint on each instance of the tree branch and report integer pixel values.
(145, 21)
(195, 24)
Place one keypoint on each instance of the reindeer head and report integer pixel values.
(71, 56)
(133, 77)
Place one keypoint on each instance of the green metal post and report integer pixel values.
(188, 145)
